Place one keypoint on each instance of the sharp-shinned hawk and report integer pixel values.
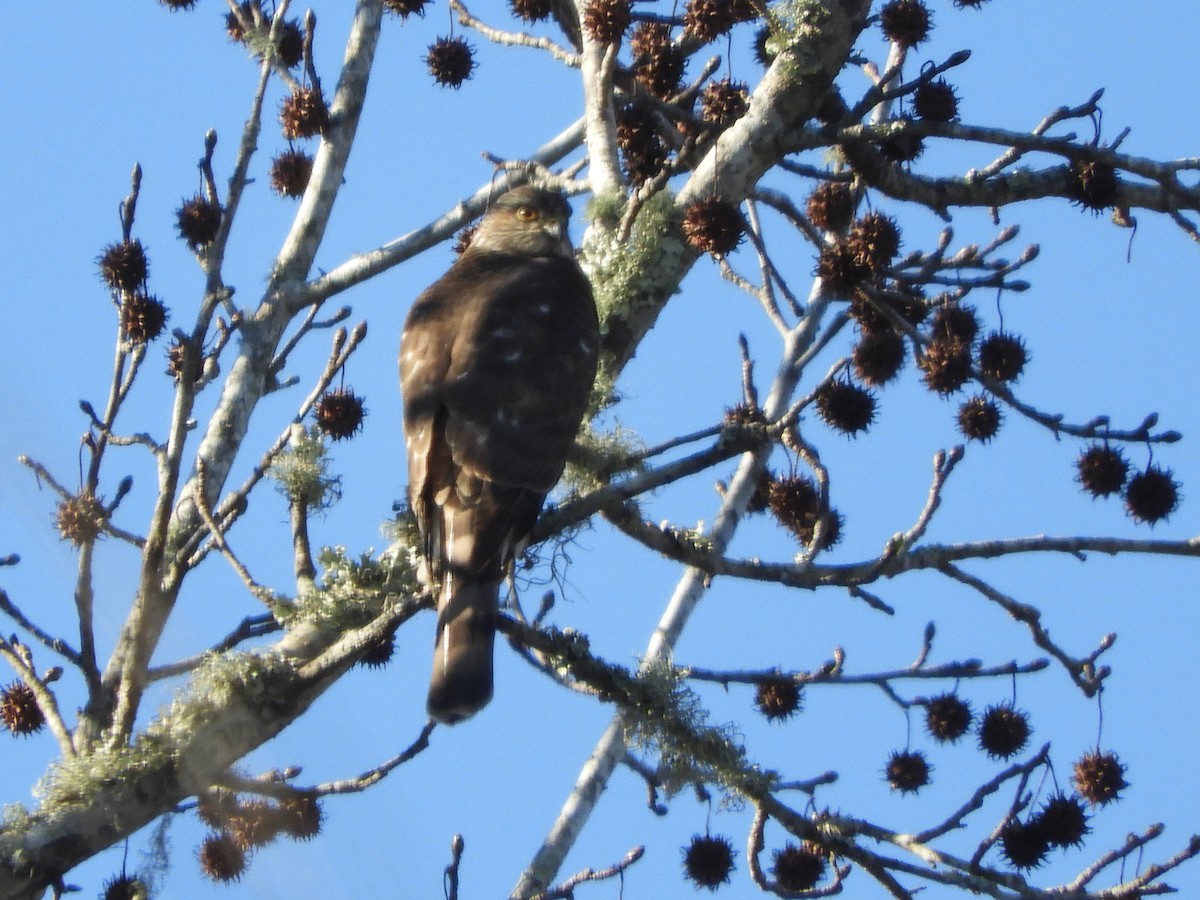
(497, 362)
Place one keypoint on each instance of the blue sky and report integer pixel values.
(85, 96)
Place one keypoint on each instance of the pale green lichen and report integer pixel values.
(599, 455)
(351, 592)
(302, 471)
(794, 29)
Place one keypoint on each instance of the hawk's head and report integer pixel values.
(528, 221)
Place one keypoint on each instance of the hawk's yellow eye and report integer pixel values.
(527, 214)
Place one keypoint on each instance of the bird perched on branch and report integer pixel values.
(497, 362)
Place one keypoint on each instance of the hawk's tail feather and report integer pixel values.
(461, 683)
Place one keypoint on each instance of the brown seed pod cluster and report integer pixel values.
(657, 63)
(1092, 184)
(1099, 778)
(1152, 495)
(878, 356)
(905, 22)
(1003, 731)
(1063, 820)
(643, 151)
(19, 710)
(935, 101)
(290, 171)
(798, 867)
(840, 268)
(1024, 844)
(777, 698)
(125, 887)
(79, 519)
(907, 771)
(845, 407)
(380, 653)
(124, 265)
(979, 418)
(198, 220)
(708, 19)
(955, 321)
(1002, 356)
(301, 816)
(947, 718)
(143, 317)
(796, 504)
(406, 8)
(606, 21)
(875, 240)
(902, 145)
(339, 413)
(724, 102)
(450, 61)
(1101, 469)
(221, 859)
(945, 365)
(531, 10)
(713, 225)
(830, 206)
(708, 860)
(303, 114)
(178, 5)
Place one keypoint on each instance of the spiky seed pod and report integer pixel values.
(1063, 821)
(450, 61)
(79, 519)
(830, 206)
(935, 101)
(708, 860)
(143, 317)
(255, 824)
(125, 887)
(777, 698)
(19, 710)
(1002, 356)
(178, 5)
(303, 114)
(743, 415)
(290, 48)
(642, 148)
(708, 19)
(221, 859)
(945, 365)
(875, 240)
(724, 102)
(1092, 185)
(124, 266)
(905, 22)
(531, 10)
(979, 418)
(796, 504)
(1152, 495)
(1099, 778)
(907, 771)
(968, 4)
(902, 145)
(762, 53)
(301, 817)
(909, 300)
(405, 8)
(840, 268)
(798, 868)
(379, 654)
(658, 63)
(606, 21)
(878, 356)
(845, 407)
(1101, 470)
(955, 321)
(290, 171)
(215, 808)
(1024, 844)
(947, 718)
(339, 413)
(713, 225)
(198, 220)
(1003, 731)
